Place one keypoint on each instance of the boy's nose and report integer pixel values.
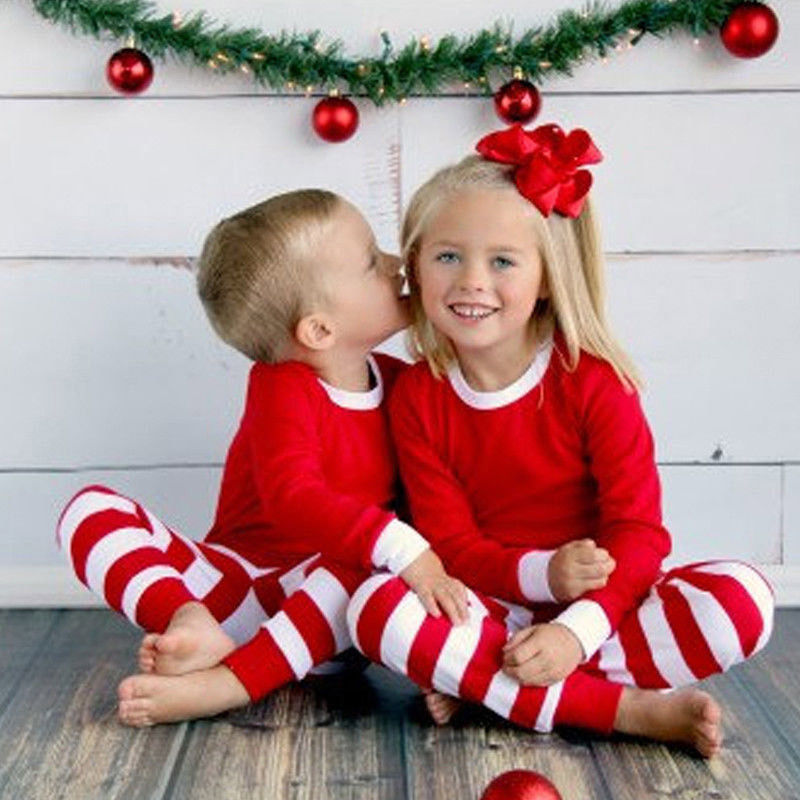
(391, 265)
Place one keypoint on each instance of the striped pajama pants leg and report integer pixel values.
(698, 620)
(287, 621)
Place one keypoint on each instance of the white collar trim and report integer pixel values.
(485, 401)
(358, 401)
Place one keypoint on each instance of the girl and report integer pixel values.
(521, 436)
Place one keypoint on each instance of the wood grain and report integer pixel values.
(353, 738)
(59, 736)
(336, 737)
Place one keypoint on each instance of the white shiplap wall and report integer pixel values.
(110, 373)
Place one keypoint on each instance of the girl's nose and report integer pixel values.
(472, 277)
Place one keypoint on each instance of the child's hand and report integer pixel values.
(542, 654)
(426, 576)
(577, 567)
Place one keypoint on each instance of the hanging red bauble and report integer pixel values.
(335, 118)
(750, 30)
(517, 101)
(129, 71)
(520, 784)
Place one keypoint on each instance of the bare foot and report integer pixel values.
(441, 706)
(689, 716)
(193, 640)
(151, 699)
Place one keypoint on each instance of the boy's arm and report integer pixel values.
(287, 463)
(440, 509)
(620, 449)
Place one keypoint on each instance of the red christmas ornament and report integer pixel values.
(521, 784)
(129, 71)
(750, 30)
(335, 119)
(517, 101)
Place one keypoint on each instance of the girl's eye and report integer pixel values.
(373, 263)
(447, 257)
(501, 262)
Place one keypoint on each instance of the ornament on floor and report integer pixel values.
(517, 101)
(335, 118)
(520, 784)
(129, 71)
(750, 30)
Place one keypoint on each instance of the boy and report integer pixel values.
(298, 284)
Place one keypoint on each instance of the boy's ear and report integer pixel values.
(315, 331)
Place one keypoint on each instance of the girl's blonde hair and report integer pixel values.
(255, 275)
(573, 261)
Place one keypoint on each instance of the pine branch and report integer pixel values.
(301, 60)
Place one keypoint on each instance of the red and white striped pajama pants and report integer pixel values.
(287, 620)
(696, 621)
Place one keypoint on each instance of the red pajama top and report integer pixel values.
(496, 481)
(312, 469)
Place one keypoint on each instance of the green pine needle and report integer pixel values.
(307, 59)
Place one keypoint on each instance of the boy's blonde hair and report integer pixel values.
(255, 275)
(571, 254)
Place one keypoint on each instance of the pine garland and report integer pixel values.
(306, 61)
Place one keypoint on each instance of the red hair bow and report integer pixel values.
(547, 164)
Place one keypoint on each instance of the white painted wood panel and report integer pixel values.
(723, 512)
(30, 503)
(791, 514)
(716, 340)
(150, 177)
(56, 62)
(680, 172)
(113, 363)
(712, 512)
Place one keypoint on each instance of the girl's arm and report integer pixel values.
(441, 510)
(620, 450)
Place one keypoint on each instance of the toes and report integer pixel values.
(127, 689)
(135, 713)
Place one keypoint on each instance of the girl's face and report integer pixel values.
(480, 272)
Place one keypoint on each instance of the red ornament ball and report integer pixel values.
(129, 71)
(335, 119)
(521, 784)
(750, 30)
(517, 101)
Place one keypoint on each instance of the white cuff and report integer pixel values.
(397, 546)
(532, 576)
(587, 620)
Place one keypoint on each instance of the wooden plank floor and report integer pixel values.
(351, 738)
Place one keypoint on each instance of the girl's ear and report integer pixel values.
(544, 289)
(315, 332)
